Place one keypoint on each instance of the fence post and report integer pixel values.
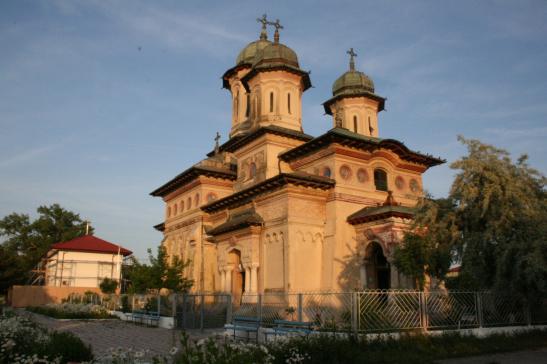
(259, 308)
(132, 303)
(229, 309)
(423, 310)
(354, 311)
(479, 308)
(201, 311)
(174, 306)
(527, 313)
(159, 304)
(299, 307)
(184, 311)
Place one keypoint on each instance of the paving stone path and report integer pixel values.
(105, 334)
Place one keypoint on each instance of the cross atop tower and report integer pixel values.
(352, 54)
(264, 21)
(217, 146)
(277, 26)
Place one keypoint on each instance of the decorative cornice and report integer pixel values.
(267, 186)
(381, 100)
(239, 141)
(190, 174)
(347, 138)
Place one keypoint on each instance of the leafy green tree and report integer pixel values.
(25, 242)
(160, 273)
(501, 210)
(108, 286)
(427, 247)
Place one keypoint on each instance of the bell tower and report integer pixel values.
(354, 105)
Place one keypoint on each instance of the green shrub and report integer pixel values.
(108, 286)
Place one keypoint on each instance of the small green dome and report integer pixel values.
(276, 53)
(352, 82)
(248, 54)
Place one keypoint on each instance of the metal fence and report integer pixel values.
(363, 311)
(392, 310)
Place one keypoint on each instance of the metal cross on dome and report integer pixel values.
(277, 26)
(352, 54)
(217, 147)
(264, 21)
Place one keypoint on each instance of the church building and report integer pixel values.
(274, 209)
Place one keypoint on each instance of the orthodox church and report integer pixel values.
(274, 209)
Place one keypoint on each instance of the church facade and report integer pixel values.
(274, 209)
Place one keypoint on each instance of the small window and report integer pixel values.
(370, 128)
(211, 196)
(362, 175)
(248, 108)
(271, 101)
(169, 212)
(289, 103)
(189, 203)
(326, 172)
(380, 179)
(252, 170)
(175, 209)
(237, 105)
(355, 123)
(181, 206)
(196, 200)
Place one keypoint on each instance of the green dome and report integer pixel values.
(248, 54)
(276, 53)
(352, 82)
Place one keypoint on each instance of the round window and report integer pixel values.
(345, 172)
(211, 196)
(362, 175)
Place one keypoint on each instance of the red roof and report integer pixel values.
(90, 243)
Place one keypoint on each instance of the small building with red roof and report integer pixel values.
(83, 262)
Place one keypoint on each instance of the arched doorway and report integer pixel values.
(238, 276)
(376, 267)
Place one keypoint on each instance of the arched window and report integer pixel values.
(289, 103)
(252, 170)
(355, 123)
(169, 212)
(237, 105)
(181, 206)
(189, 203)
(380, 179)
(175, 209)
(196, 200)
(271, 101)
(326, 172)
(248, 108)
(370, 128)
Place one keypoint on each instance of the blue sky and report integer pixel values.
(103, 101)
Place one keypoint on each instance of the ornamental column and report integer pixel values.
(254, 277)
(394, 274)
(228, 287)
(222, 280)
(247, 279)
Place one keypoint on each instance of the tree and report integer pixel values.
(427, 246)
(160, 273)
(501, 209)
(26, 242)
(108, 286)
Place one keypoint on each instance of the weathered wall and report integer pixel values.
(23, 296)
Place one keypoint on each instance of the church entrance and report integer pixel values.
(376, 267)
(238, 276)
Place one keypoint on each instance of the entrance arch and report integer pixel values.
(237, 275)
(376, 267)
